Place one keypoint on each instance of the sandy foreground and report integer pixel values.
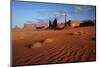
(49, 46)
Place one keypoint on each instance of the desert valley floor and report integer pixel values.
(54, 46)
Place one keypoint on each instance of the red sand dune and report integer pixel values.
(60, 46)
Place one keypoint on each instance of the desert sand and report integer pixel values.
(54, 46)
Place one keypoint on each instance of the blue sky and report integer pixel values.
(38, 13)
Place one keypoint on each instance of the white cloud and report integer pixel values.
(79, 9)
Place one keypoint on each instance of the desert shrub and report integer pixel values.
(87, 23)
(65, 23)
(94, 38)
(55, 23)
(69, 23)
(50, 25)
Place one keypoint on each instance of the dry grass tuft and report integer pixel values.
(49, 40)
(36, 45)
